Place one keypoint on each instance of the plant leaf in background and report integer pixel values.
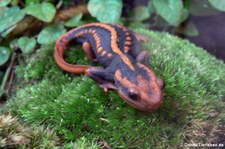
(4, 2)
(184, 15)
(160, 22)
(151, 7)
(26, 44)
(189, 29)
(75, 21)
(4, 54)
(106, 11)
(218, 4)
(50, 34)
(9, 17)
(31, 2)
(202, 8)
(140, 13)
(13, 44)
(44, 11)
(138, 24)
(170, 10)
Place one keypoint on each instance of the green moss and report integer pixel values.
(76, 108)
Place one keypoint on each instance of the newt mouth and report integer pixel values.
(141, 104)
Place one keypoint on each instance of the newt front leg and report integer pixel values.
(99, 75)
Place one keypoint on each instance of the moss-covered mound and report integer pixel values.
(77, 109)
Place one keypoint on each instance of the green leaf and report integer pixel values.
(108, 11)
(50, 34)
(31, 2)
(189, 29)
(160, 22)
(202, 8)
(44, 12)
(9, 17)
(75, 21)
(151, 7)
(26, 44)
(15, 2)
(140, 13)
(136, 25)
(184, 15)
(218, 4)
(13, 44)
(4, 54)
(170, 10)
(4, 2)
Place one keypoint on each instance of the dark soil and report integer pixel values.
(211, 34)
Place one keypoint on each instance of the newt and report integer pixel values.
(125, 66)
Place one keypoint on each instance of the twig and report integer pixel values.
(11, 26)
(7, 74)
(59, 4)
(104, 145)
(9, 86)
(64, 15)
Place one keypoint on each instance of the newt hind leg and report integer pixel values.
(144, 58)
(141, 37)
(88, 51)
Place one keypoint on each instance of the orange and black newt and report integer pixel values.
(124, 64)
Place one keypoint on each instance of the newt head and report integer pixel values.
(141, 89)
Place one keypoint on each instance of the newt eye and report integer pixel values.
(133, 94)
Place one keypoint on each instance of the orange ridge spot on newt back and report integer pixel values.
(126, 48)
(99, 49)
(128, 43)
(128, 38)
(103, 53)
